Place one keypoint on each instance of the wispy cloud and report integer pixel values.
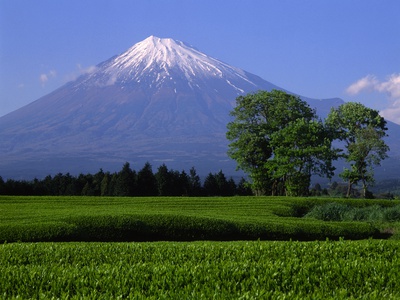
(392, 113)
(111, 80)
(367, 83)
(87, 70)
(80, 71)
(45, 77)
(391, 87)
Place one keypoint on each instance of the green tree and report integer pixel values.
(2, 186)
(89, 188)
(184, 183)
(362, 130)
(243, 188)
(97, 179)
(125, 184)
(70, 185)
(301, 149)
(105, 186)
(112, 187)
(231, 187)
(146, 181)
(211, 187)
(258, 119)
(170, 182)
(222, 183)
(163, 181)
(194, 183)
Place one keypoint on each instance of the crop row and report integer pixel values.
(175, 219)
(367, 269)
(180, 228)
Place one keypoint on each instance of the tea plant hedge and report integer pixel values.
(368, 269)
(36, 219)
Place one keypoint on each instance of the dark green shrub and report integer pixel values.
(392, 214)
(329, 212)
(368, 213)
(342, 212)
(40, 232)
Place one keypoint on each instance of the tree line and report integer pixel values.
(128, 182)
(274, 136)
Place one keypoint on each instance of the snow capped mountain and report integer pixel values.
(157, 87)
(157, 63)
(160, 101)
(161, 57)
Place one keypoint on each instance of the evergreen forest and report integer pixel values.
(130, 183)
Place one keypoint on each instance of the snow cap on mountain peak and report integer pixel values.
(161, 55)
(154, 40)
(158, 50)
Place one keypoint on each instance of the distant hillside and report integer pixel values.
(161, 101)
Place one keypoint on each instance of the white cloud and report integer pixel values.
(44, 77)
(366, 83)
(86, 70)
(392, 113)
(52, 73)
(391, 87)
(80, 71)
(111, 80)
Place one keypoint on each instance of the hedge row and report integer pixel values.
(343, 212)
(108, 228)
(367, 269)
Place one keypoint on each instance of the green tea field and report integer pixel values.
(36, 219)
(198, 248)
(367, 269)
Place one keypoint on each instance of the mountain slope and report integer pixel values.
(160, 101)
(157, 83)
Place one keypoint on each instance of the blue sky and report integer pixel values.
(320, 49)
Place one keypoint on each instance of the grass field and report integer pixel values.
(367, 269)
(177, 219)
(207, 268)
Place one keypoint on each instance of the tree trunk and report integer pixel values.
(349, 189)
(365, 188)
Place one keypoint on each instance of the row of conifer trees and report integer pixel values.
(128, 182)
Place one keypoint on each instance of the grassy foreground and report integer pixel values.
(37, 219)
(367, 269)
(342, 269)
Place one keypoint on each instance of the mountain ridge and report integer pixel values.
(159, 101)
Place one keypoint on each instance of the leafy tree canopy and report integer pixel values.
(362, 130)
(277, 139)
